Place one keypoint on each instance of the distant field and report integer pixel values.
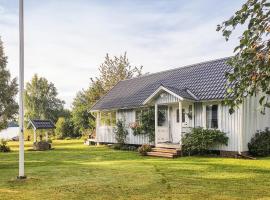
(75, 171)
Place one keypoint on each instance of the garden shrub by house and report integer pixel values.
(259, 145)
(200, 141)
(144, 149)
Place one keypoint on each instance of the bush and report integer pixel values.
(200, 140)
(144, 149)
(120, 132)
(3, 146)
(123, 147)
(65, 128)
(259, 145)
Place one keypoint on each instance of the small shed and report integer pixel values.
(39, 124)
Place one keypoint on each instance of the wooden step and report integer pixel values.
(166, 150)
(161, 154)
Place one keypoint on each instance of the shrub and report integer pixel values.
(3, 146)
(259, 145)
(200, 140)
(65, 128)
(144, 149)
(123, 147)
(120, 132)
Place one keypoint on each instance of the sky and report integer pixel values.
(67, 40)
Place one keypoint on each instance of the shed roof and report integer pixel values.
(205, 80)
(41, 124)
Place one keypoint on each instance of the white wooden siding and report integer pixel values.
(165, 98)
(230, 124)
(105, 134)
(253, 120)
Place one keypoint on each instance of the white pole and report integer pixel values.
(21, 88)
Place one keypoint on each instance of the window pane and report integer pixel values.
(162, 115)
(177, 115)
(138, 116)
(113, 118)
(183, 115)
(108, 118)
(212, 116)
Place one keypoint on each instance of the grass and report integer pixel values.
(75, 171)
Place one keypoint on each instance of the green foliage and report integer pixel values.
(251, 71)
(120, 132)
(146, 124)
(123, 147)
(65, 128)
(115, 69)
(200, 140)
(259, 145)
(83, 120)
(144, 149)
(8, 91)
(3, 146)
(41, 100)
(112, 70)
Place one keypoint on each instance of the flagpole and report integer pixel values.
(21, 88)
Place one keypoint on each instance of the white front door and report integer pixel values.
(186, 122)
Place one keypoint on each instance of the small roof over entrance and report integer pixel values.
(180, 94)
(41, 124)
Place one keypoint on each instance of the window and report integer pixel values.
(212, 116)
(138, 116)
(108, 118)
(162, 115)
(177, 116)
(183, 115)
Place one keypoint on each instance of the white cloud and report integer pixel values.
(65, 41)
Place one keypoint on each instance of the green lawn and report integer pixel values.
(75, 171)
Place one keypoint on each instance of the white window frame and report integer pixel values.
(204, 104)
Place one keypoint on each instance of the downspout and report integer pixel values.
(241, 118)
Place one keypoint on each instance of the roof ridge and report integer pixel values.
(183, 67)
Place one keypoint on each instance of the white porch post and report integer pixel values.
(193, 115)
(204, 115)
(35, 135)
(180, 121)
(156, 123)
(97, 127)
(46, 137)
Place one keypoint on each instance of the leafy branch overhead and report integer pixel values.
(251, 62)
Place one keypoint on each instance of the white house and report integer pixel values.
(11, 132)
(186, 97)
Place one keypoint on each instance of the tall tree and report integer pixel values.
(8, 91)
(251, 62)
(41, 100)
(112, 70)
(81, 117)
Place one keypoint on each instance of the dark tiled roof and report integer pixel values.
(13, 124)
(41, 124)
(205, 80)
(182, 92)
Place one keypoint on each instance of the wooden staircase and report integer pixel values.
(165, 152)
